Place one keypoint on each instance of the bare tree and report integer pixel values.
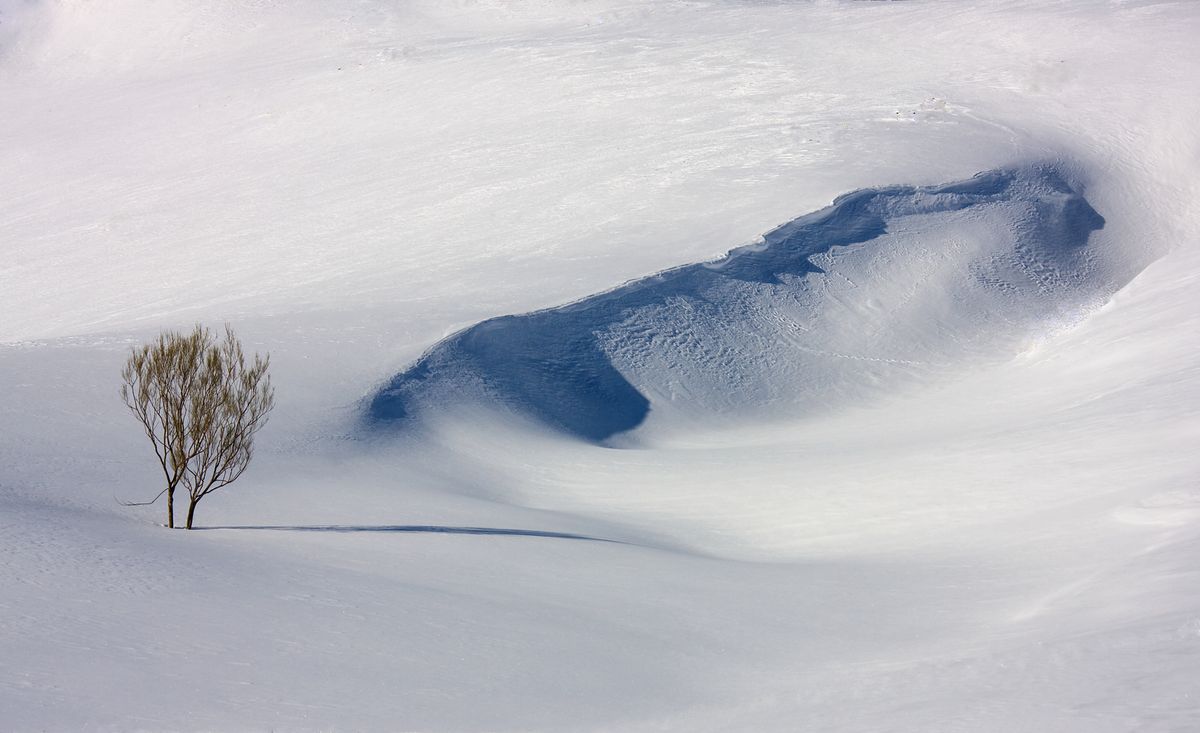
(200, 405)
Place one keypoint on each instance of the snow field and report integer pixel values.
(1006, 544)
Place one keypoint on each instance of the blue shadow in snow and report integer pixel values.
(415, 528)
(551, 364)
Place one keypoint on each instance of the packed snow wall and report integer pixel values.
(885, 288)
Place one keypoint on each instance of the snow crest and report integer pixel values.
(886, 287)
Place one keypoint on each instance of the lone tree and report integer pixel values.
(200, 405)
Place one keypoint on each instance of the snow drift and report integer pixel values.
(935, 535)
(886, 286)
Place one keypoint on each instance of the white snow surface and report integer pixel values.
(946, 482)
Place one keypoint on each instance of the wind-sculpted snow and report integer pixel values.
(887, 286)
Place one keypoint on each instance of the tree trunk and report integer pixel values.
(191, 511)
(171, 508)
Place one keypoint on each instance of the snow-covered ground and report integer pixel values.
(924, 461)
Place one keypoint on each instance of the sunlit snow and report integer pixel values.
(642, 365)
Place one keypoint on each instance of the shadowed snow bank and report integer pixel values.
(886, 286)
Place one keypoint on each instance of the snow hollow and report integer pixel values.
(887, 286)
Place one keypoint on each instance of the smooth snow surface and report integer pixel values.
(573, 434)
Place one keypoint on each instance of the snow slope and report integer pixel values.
(920, 461)
(833, 306)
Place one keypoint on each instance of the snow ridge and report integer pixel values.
(886, 285)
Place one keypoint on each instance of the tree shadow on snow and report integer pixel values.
(415, 529)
